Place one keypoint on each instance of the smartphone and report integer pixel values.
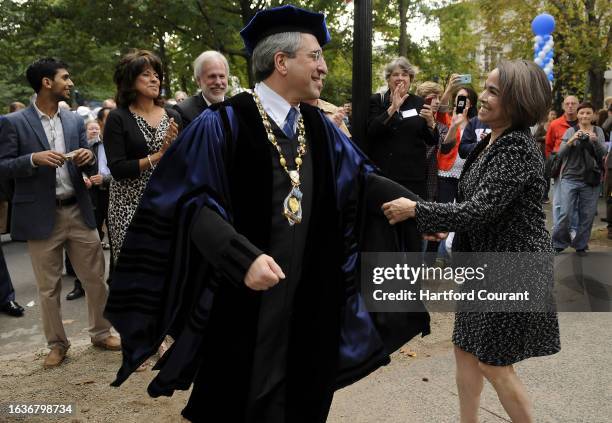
(428, 101)
(461, 102)
(69, 156)
(465, 78)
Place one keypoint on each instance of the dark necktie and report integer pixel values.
(290, 123)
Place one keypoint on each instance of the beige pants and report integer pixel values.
(85, 252)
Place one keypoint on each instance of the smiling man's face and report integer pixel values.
(306, 71)
(61, 85)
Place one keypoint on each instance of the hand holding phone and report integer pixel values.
(465, 78)
(461, 103)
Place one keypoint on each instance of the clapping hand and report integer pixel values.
(171, 134)
(398, 95)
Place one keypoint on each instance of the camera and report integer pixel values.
(583, 137)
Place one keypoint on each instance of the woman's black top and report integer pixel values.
(124, 143)
(398, 146)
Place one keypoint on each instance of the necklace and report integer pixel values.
(292, 205)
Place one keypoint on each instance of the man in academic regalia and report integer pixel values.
(245, 248)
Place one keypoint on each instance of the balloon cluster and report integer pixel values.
(542, 26)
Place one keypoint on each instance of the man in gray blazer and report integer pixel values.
(42, 147)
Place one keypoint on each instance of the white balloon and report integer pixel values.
(542, 54)
(538, 61)
(546, 48)
(537, 38)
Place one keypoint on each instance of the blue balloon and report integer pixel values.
(549, 56)
(543, 24)
(550, 76)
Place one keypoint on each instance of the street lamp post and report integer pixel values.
(362, 69)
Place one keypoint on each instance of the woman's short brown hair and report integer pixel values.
(585, 105)
(525, 92)
(127, 70)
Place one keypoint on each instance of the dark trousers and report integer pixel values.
(447, 192)
(7, 293)
(101, 215)
(608, 191)
(101, 210)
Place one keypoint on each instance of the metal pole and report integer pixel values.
(362, 70)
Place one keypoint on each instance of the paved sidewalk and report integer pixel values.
(572, 386)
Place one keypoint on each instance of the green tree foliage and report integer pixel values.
(91, 36)
(583, 40)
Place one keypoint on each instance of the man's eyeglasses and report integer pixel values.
(316, 55)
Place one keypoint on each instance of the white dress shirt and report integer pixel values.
(274, 105)
(102, 163)
(55, 136)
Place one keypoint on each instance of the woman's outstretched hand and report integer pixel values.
(399, 210)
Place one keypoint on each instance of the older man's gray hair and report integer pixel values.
(205, 57)
(263, 55)
(402, 63)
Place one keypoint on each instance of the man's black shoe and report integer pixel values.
(558, 250)
(77, 292)
(581, 253)
(12, 309)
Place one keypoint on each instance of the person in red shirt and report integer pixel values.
(557, 127)
(555, 133)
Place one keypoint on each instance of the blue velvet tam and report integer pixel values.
(286, 18)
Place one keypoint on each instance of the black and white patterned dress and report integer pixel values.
(499, 210)
(125, 194)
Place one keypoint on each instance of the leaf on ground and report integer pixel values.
(68, 321)
(407, 352)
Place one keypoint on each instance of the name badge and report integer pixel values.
(409, 113)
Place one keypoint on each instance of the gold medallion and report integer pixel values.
(292, 206)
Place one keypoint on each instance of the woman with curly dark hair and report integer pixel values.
(136, 136)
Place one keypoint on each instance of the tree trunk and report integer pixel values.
(596, 84)
(247, 14)
(403, 38)
(164, 59)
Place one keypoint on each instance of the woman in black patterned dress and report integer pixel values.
(498, 210)
(136, 135)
